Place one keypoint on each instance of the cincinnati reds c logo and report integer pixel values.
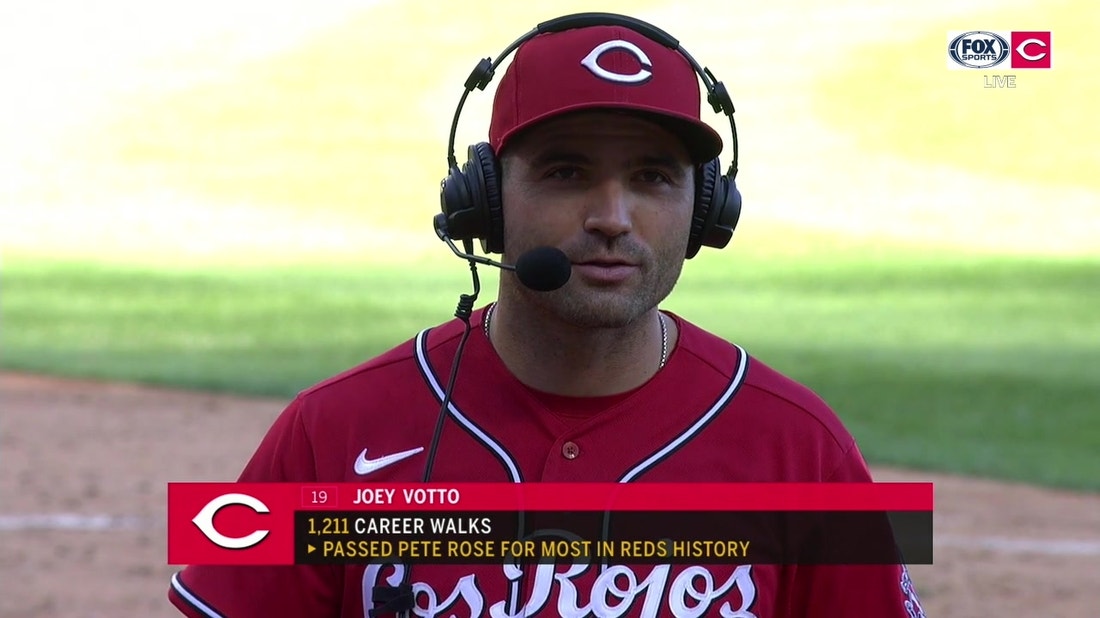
(592, 63)
(1022, 49)
(205, 521)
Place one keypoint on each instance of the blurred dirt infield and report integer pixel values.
(105, 452)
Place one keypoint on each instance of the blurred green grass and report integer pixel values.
(983, 365)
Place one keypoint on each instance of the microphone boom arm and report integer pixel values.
(441, 232)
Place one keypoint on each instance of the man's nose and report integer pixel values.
(609, 209)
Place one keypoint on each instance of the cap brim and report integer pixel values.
(703, 142)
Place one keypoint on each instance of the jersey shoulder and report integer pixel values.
(384, 403)
(784, 392)
(785, 420)
(726, 359)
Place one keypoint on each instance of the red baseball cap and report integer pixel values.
(601, 67)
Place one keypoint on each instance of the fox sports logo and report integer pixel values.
(978, 49)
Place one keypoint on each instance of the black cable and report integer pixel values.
(400, 598)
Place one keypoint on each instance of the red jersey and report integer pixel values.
(712, 414)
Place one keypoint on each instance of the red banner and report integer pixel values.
(254, 523)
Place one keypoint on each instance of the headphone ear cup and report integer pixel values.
(706, 176)
(470, 200)
(460, 220)
(717, 209)
(723, 215)
(486, 167)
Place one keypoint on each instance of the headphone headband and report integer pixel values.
(471, 195)
(585, 20)
(483, 73)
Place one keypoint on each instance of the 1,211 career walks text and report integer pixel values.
(381, 525)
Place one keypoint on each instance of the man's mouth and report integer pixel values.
(605, 270)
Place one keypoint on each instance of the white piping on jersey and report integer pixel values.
(195, 601)
(689, 433)
(422, 360)
(509, 463)
(698, 425)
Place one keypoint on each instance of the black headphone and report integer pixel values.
(470, 196)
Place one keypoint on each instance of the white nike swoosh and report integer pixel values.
(366, 466)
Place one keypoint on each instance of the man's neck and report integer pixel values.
(556, 357)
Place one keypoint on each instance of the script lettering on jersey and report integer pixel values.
(690, 592)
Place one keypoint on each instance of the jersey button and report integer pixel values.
(570, 450)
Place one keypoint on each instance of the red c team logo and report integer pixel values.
(205, 521)
(1031, 50)
(233, 523)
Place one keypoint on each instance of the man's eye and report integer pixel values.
(564, 173)
(654, 176)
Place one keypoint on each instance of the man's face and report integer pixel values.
(615, 192)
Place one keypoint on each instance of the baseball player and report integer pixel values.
(597, 149)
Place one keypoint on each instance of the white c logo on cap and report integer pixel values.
(205, 521)
(591, 62)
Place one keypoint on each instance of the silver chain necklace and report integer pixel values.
(660, 318)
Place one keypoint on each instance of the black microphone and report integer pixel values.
(543, 269)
